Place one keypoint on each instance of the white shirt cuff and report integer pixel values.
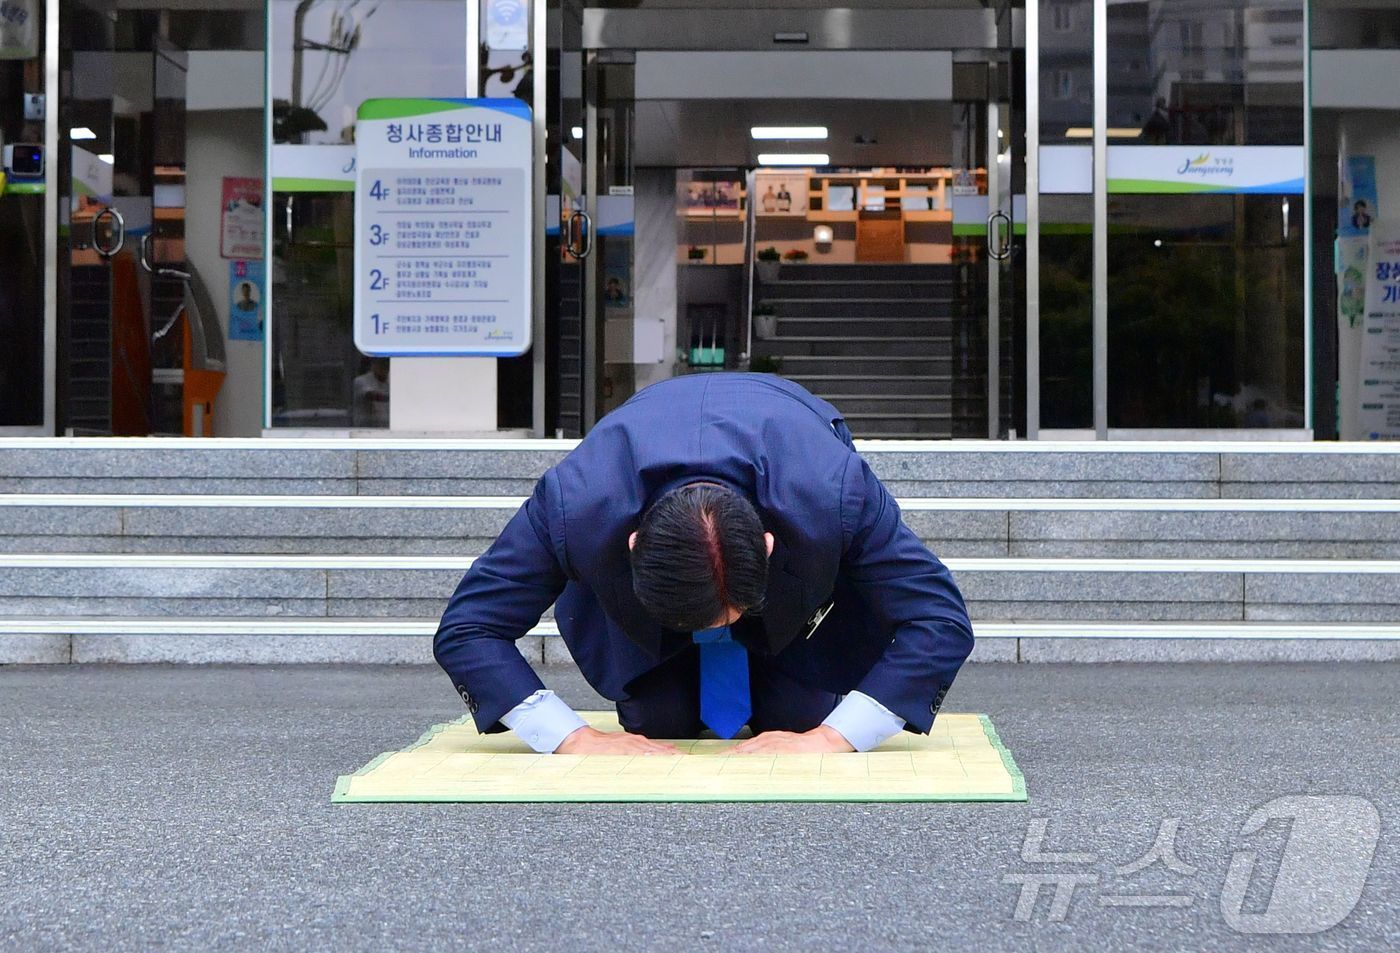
(863, 721)
(543, 721)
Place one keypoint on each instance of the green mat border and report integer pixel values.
(341, 794)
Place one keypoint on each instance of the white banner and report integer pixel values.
(313, 168)
(1350, 268)
(1157, 170)
(1067, 170)
(1380, 348)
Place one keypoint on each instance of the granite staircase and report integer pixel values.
(325, 550)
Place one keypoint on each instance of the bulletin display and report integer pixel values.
(443, 259)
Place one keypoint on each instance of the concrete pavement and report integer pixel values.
(146, 808)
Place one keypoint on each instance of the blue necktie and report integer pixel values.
(724, 682)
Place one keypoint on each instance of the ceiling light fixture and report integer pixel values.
(796, 158)
(788, 132)
(81, 132)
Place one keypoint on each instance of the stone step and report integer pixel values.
(274, 465)
(866, 272)
(409, 641)
(851, 346)
(839, 386)
(869, 327)
(864, 310)
(860, 364)
(930, 424)
(466, 526)
(928, 402)
(826, 290)
(964, 468)
(1231, 470)
(1068, 590)
(547, 628)
(391, 525)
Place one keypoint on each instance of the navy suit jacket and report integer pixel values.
(898, 631)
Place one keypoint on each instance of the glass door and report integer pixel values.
(569, 233)
(610, 320)
(1011, 246)
(1172, 301)
(142, 351)
(184, 346)
(105, 357)
(868, 234)
(98, 272)
(1006, 247)
(1059, 91)
(1204, 245)
(990, 250)
(25, 235)
(325, 59)
(588, 248)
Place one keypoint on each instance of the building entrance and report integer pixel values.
(841, 217)
(857, 198)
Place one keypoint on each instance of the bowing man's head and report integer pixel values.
(700, 558)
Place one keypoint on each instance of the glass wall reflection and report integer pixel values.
(1066, 312)
(1205, 245)
(326, 59)
(1205, 312)
(1066, 235)
(1206, 72)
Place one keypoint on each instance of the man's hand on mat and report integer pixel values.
(588, 740)
(820, 740)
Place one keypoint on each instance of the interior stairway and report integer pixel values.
(893, 346)
(347, 550)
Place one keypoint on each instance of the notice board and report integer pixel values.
(443, 215)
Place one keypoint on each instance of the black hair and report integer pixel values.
(700, 554)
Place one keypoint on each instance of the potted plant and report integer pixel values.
(795, 256)
(765, 321)
(696, 253)
(768, 262)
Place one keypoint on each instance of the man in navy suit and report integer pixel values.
(718, 555)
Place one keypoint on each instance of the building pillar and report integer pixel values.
(442, 394)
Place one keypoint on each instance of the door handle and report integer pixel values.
(580, 247)
(144, 257)
(998, 249)
(118, 231)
